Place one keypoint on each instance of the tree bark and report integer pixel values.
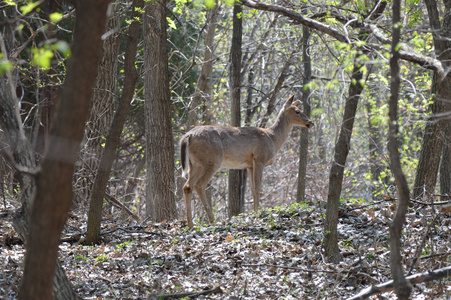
(236, 177)
(160, 202)
(22, 157)
(54, 179)
(336, 172)
(445, 169)
(434, 135)
(374, 147)
(431, 150)
(341, 153)
(203, 87)
(304, 140)
(113, 139)
(102, 110)
(402, 286)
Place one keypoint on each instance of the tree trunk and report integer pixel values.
(402, 286)
(303, 142)
(203, 93)
(341, 153)
(160, 202)
(374, 147)
(23, 157)
(236, 182)
(336, 172)
(431, 150)
(113, 139)
(445, 169)
(434, 134)
(102, 110)
(444, 91)
(54, 179)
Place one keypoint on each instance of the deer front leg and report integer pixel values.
(250, 174)
(256, 182)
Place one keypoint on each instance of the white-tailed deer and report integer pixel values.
(205, 149)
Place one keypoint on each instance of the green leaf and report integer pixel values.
(171, 23)
(55, 17)
(42, 57)
(5, 65)
(139, 10)
(29, 7)
(210, 4)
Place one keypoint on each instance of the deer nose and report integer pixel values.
(310, 124)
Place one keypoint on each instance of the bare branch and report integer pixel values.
(413, 279)
(299, 18)
(408, 53)
(405, 53)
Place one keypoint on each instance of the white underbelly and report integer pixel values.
(235, 164)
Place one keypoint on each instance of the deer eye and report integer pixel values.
(298, 112)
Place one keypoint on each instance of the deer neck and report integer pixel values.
(279, 131)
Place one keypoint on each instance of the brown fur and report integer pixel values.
(208, 148)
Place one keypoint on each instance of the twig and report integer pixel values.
(117, 203)
(131, 231)
(431, 203)
(436, 254)
(372, 203)
(216, 290)
(413, 279)
(289, 268)
(420, 247)
(71, 238)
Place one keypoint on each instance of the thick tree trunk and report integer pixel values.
(199, 112)
(113, 139)
(303, 142)
(160, 202)
(341, 153)
(236, 177)
(444, 91)
(445, 166)
(431, 150)
(54, 179)
(336, 172)
(402, 286)
(434, 135)
(22, 156)
(102, 110)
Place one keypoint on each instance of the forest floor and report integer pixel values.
(273, 254)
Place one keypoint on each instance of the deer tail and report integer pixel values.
(184, 155)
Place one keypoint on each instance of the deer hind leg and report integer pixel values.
(194, 174)
(200, 187)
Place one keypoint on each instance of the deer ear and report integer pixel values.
(289, 101)
(298, 104)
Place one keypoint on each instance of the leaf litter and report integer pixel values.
(272, 254)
